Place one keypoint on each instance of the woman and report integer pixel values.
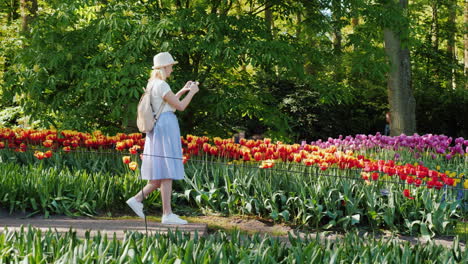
(162, 156)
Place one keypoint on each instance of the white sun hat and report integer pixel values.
(163, 59)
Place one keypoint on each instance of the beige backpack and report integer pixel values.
(145, 115)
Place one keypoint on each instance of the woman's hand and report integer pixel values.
(184, 89)
(194, 87)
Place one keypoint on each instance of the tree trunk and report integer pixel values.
(400, 94)
(28, 12)
(12, 12)
(299, 24)
(452, 28)
(435, 25)
(269, 17)
(337, 39)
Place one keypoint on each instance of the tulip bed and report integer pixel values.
(408, 187)
(33, 246)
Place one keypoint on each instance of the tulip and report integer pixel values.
(407, 194)
(48, 154)
(120, 145)
(133, 165)
(365, 176)
(66, 149)
(74, 143)
(417, 182)
(39, 155)
(48, 143)
(214, 151)
(266, 164)
(375, 176)
(185, 159)
(126, 159)
(133, 150)
(258, 156)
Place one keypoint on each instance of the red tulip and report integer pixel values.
(214, 151)
(126, 159)
(48, 154)
(258, 156)
(39, 155)
(185, 159)
(407, 194)
(133, 150)
(418, 182)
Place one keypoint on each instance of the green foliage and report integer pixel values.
(90, 184)
(83, 64)
(33, 245)
(96, 58)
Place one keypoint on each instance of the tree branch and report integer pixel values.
(255, 12)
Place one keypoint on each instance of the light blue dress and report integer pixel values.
(162, 155)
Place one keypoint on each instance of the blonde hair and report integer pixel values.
(159, 73)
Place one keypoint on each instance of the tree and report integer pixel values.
(452, 29)
(28, 12)
(400, 94)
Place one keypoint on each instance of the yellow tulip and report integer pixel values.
(465, 185)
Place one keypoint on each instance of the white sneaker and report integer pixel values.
(173, 219)
(136, 206)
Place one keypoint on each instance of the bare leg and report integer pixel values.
(149, 188)
(166, 193)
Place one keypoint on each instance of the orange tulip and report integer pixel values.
(258, 156)
(214, 151)
(120, 145)
(48, 154)
(48, 143)
(133, 165)
(365, 176)
(126, 159)
(185, 159)
(266, 164)
(39, 155)
(133, 150)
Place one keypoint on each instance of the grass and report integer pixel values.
(462, 230)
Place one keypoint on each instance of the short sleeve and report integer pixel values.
(163, 89)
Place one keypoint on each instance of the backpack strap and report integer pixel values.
(160, 110)
(156, 116)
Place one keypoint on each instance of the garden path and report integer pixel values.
(81, 225)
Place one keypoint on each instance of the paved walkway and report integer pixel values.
(119, 227)
(108, 227)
